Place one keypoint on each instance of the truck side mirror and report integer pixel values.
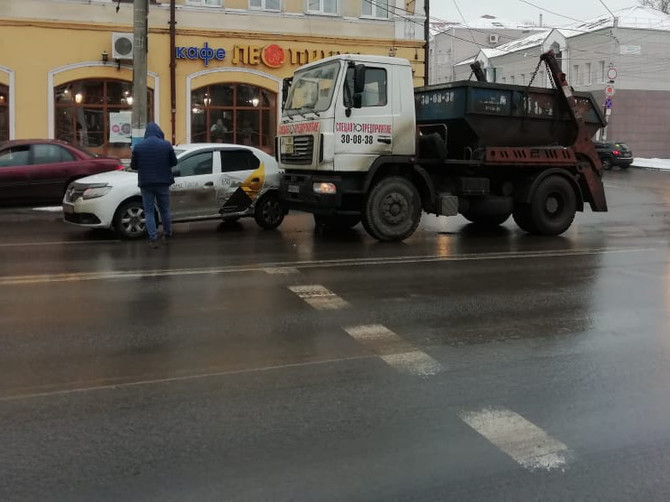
(359, 78)
(358, 100)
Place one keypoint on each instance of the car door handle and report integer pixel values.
(209, 184)
(384, 140)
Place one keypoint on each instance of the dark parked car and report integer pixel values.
(39, 170)
(614, 154)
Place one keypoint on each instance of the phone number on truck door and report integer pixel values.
(357, 139)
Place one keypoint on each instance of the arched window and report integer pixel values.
(234, 113)
(86, 108)
(4, 112)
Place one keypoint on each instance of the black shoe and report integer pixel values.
(166, 238)
(153, 243)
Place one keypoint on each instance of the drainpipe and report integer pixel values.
(426, 36)
(173, 68)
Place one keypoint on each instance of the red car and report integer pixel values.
(39, 170)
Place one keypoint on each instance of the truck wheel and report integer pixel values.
(129, 220)
(486, 220)
(392, 210)
(269, 212)
(553, 206)
(523, 218)
(337, 222)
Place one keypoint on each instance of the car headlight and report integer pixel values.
(93, 192)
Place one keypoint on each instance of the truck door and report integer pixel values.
(368, 132)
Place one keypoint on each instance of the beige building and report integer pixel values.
(66, 65)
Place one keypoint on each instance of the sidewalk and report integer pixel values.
(662, 164)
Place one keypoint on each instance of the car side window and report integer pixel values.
(15, 156)
(194, 165)
(48, 154)
(238, 160)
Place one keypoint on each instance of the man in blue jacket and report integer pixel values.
(153, 159)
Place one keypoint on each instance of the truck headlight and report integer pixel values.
(324, 188)
(96, 191)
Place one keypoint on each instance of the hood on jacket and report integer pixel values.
(153, 130)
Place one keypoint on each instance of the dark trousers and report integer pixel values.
(156, 196)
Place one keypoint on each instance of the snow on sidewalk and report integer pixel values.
(652, 163)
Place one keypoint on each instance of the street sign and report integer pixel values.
(611, 73)
(609, 90)
(608, 103)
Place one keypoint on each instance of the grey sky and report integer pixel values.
(516, 10)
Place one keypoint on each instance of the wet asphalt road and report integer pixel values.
(238, 364)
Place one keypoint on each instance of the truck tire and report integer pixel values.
(336, 222)
(392, 209)
(523, 218)
(486, 220)
(553, 206)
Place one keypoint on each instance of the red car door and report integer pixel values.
(53, 167)
(14, 173)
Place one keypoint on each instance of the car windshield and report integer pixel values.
(312, 89)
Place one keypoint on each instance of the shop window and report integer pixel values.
(4, 112)
(322, 6)
(87, 111)
(234, 113)
(265, 4)
(375, 8)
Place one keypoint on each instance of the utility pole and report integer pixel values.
(426, 36)
(140, 37)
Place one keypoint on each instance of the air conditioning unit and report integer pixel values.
(494, 38)
(122, 46)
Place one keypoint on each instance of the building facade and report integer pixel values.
(620, 59)
(66, 65)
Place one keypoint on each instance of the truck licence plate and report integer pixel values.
(293, 189)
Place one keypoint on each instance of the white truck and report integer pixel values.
(358, 143)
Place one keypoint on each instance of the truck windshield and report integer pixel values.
(312, 90)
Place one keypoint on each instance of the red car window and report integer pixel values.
(49, 154)
(15, 156)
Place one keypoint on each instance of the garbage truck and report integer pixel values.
(358, 143)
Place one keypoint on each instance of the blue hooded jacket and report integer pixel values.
(153, 158)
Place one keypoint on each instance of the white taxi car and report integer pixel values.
(212, 181)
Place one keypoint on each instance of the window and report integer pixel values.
(575, 75)
(587, 71)
(511, 80)
(207, 3)
(48, 154)
(375, 8)
(523, 79)
(198, 164)
(375, 90)
(4, 112)
(234, 113)
(265, 4)
(601, 76)
(15, 156)
(238, 160)
(83, 109)
(322, 6)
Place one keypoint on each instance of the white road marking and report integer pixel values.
(353, 262)
(394, 350)
(33, 392)
(281, 270)
(526, 443)
(319, 297)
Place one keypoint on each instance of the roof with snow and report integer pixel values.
(630, 17)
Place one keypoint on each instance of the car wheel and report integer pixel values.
(553, 206)
(607, 163)
(392, 210)
(269, 212)
(129, 220)
(338, 222)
